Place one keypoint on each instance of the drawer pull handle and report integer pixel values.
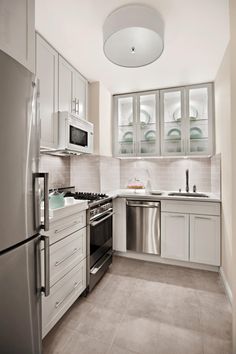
(59, 303)
(57, 263)
(203, 217)
(66, 227)
(176, 216)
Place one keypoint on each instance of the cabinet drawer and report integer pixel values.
(189, 207)
(63, 295)
(66, 226)
(65, 254)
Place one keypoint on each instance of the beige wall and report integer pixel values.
(233, 112)
(223, 145)
(100, 115)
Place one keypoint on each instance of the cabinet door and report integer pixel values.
(173, 122)
(47, 72)
(175, 236)
(80, 94)
(148, 124)
(66, 100)
(17, 31)
(205, 239)
(199, 120)
(125, 125)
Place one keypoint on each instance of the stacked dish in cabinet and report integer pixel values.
(67, 267)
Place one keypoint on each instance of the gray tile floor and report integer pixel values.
(147, 308)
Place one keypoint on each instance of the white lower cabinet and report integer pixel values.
(67, 238)
(188, 235)
(62, 296)
(205, 239)
(175, 236)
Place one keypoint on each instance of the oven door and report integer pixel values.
(100, 237)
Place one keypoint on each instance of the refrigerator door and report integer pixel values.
(20, 299)
(19, 147)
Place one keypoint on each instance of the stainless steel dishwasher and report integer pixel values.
(143, 226)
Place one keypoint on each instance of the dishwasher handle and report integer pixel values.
(140, 205)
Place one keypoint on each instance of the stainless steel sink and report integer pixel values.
(188, 194)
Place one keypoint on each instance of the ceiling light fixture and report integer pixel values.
(133, 36)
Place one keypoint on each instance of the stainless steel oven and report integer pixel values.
(99, 241)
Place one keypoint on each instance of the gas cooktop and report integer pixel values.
(92, 197)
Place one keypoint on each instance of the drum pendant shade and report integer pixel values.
(133, 36)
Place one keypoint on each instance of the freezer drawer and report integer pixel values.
(143, 226)
(20, 299)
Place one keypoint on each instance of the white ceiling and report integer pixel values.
(196, 36)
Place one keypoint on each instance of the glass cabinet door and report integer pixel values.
(199, 118)
(172, 122)
(125, 125)
(147, 124)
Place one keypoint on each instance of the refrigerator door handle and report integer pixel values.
(44, 175)
(46, 288)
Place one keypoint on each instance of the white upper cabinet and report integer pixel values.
(199, 113)
(136, 131)
(170, 122)
(72, 90)
(47, 72)
(17, 33)
(66, 102)
(80, 93)
(187, 121)
(173, 122)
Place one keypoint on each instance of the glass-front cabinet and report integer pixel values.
(187, 121)
(169, 122)
(199, 120)
(172, 122)
(137, 124)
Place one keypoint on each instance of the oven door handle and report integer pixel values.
(100, 214)
(95, 223)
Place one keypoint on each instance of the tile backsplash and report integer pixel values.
(168, 174)
(58, 168)
(102, 174)
(95, 173)
(85, 174)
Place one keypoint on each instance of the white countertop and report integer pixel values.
(142, 194)
(71, 207)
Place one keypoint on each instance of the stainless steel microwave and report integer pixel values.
(75, 134)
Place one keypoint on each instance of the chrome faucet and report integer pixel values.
(187, 180)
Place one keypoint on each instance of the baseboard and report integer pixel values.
(226, 286)
(158, 259)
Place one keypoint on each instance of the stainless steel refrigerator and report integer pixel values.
(20, 278)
